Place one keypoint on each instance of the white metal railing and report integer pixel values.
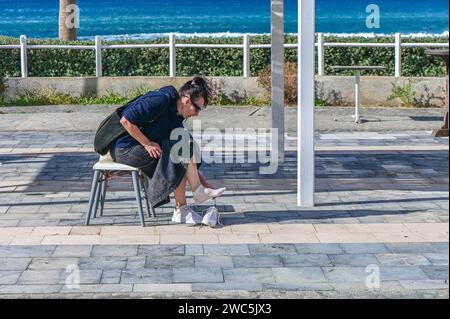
(246, 46)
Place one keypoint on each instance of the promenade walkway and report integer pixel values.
(382, 208)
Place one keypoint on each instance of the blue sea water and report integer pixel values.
(150, 18)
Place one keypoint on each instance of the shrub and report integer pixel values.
(404, 93)
(2, 88)
(290, 82)
(52, 97)
(222, 99)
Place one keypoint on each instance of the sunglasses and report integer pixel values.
(197, 107)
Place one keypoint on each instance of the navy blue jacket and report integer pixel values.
(160, 105)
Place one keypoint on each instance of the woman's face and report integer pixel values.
(191, 108)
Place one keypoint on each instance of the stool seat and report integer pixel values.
(107, 163)
(112, 166)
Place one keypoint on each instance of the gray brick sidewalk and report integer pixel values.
(51, 189)
(328, 270)
(49, 139)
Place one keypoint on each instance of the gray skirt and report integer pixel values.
(164, 174)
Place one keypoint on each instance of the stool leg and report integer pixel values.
(92, 195)
(103, 195)
(98, 195)
(147, 204)
(152, 209)
(137, 190)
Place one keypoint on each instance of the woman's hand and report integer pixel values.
(153, 149)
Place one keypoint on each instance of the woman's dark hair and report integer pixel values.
(196, 88)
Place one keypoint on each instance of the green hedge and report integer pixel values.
(2, 89)
(209, 62)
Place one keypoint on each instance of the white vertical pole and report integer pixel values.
(98, 56)
(398, 55)
(172, 55)
(357, 96)
(246, 41)
(306, 41)
(23, 56)
(320, 54)
(277, 71)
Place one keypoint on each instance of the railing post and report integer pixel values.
(98, 56)
(23, 56)
(246, 55)
(172, 55)
(320, 54)
(398, 55)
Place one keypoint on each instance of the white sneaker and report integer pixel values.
(202, 194)
(211, 217)
(185, 214)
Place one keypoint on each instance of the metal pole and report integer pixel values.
(277, 71)
(306, 41)
(357, 96)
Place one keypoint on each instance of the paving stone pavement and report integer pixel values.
(253, 268)
(65, 118)
(373, 186)
(393, 185)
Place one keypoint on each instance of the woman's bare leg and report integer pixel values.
(180, 193)
(192, 176)
(195, 180)
(204, 182)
